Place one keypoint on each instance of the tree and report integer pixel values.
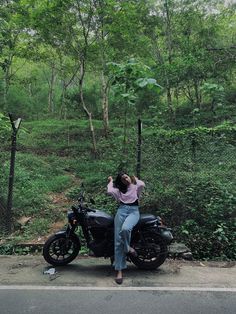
(181, 34)
(118, 30)
(128, 78)
(10, 31)
(4, 126)
(70, 30)
(215, 95)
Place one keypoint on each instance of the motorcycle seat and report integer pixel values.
(144, 218)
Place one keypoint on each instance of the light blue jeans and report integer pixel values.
(126, 218)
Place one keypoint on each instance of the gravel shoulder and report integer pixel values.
(97, 272)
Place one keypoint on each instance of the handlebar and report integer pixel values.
(84, 208)
(90, 210)
(81, 199)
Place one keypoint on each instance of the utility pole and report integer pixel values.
(15, 127)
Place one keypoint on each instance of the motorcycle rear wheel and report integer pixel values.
(59, 250)
(152, 251)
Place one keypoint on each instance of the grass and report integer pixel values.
(54, 156)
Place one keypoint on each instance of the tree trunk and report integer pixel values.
(160, 58)
(176, 94)
(169, 50)
(213, 102)
(11, 44)
(197, 94)
(169, 97)
(89, 114)
(125, 133)
(62, 101)
(168, 32)
(51, 90)
(105, 105)
(4, 94)
(30, 90)
(6, 85)
(2, 216)
(188, 93)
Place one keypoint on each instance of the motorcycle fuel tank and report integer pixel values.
(99, 219)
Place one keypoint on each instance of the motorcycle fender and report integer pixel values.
(64, 232)
(166, 235)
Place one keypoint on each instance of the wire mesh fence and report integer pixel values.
(191, 182)
(3, 218)
(189, 175)
(177, 157)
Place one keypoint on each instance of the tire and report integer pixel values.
(59, 250)
(152, 253)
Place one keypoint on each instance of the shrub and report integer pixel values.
(209, 224)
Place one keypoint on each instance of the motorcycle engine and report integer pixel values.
(99, 248)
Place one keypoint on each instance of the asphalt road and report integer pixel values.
(119, 300)
(87, 286)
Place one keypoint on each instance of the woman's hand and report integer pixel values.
(133, 179)
(110, 179)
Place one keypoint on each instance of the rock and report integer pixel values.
(180, 250)
(188, 256)
(23, 221)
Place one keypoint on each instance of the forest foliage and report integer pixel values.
(80, 73)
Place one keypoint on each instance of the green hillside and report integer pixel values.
(81, 73)
(189, 175)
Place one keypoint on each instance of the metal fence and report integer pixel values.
(199, 164)
(178, 158)
(188, 157)
(174, 161)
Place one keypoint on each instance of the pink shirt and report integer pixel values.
(132, 194)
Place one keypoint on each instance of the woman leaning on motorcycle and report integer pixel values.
(126, 190)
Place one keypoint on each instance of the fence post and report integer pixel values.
(138, 167)
(193, 149)
(15, 127)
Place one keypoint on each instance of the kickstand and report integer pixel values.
(112, 259)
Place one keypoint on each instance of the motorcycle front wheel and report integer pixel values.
(152, 251)
(59, 250)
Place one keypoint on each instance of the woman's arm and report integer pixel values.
(140, 185)
(111, 190)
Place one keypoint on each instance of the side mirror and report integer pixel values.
(92, 201)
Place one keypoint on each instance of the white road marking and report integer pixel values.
(118, 288)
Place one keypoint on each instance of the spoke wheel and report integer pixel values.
(151, 250)
(59, 250)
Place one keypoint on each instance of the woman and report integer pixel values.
(126, 190)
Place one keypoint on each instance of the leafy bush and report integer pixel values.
(208, 220)
(201, 213)
(191, 183)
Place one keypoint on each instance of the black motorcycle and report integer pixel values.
(150, 238)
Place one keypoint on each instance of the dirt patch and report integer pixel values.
(59, 199)
(59, 202)
(207, 264)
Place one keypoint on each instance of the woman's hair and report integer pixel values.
(119, 184)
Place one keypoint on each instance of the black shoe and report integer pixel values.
(133, 253)
(119, 281)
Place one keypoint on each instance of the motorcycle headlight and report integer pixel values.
(70, 215)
